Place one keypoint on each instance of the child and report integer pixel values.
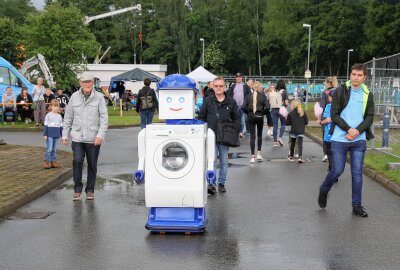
(52, 132)
(326, 120)
(297, 119)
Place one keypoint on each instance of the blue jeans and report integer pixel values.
(339, 153)
(51, 145)
(275, 117)
(146, 117)
(221, 151)
(91, 151)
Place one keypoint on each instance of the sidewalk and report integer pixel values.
(23, 178)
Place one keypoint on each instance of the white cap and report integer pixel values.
(86, 77)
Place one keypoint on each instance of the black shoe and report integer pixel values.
(211, 189)
(359, 211)
(322, 199)
(221, 188)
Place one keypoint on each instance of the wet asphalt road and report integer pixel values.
(268, 219)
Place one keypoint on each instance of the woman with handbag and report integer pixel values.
(221, 113)
(256, 106)
(39, 105)
(277, 99)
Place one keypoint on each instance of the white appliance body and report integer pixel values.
(175, 165)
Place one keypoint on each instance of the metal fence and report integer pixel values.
(384, 81)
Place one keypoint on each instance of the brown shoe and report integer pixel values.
(55, 164)
(90, 196)
(46, 164)
(76, 196)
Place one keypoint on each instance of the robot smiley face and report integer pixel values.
(176, 104)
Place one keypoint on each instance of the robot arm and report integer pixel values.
(210, 155)
(139, 174)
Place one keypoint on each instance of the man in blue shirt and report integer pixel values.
(352, 114)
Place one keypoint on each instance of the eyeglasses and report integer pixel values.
(216, 85)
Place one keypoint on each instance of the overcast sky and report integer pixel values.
(39, 4)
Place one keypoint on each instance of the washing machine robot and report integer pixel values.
(176, 159)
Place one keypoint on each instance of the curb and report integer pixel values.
(33, 194)
(377, 177)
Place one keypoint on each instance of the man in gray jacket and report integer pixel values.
(86, 118)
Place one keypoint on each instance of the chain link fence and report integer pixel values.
(384, 81)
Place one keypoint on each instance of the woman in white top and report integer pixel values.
(38, 100)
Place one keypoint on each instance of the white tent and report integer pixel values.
(201, 74)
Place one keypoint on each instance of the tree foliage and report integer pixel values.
(241, 32)
(11, 36)
(16, 9)
(59, 33)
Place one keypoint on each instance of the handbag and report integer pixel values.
(283, 111)
(227, 132)
(33, 106)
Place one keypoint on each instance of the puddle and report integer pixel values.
(29, 215)
(105, 182)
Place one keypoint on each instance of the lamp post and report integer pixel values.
(202, 40)
(348, 62)
(308, 59)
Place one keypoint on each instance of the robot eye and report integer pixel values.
(181, 99)
(169, 99)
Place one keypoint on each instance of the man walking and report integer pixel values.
(86, 117)
(228, 110)
(352, 115)
(146, 104)
(239, 91)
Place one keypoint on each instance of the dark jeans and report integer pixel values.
(80, 150)
(146, 117)
(293, 139)
(269, 119)
(275, 118)
(25, 113)
(253, 123)
(339, 154)
(9, 110)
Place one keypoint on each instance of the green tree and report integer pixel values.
(10, 37)
(16, 9)
(62, 37)
(382, 29)
(215, 58)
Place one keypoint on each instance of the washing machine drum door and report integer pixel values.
(174, 159)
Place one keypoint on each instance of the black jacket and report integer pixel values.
(340, 100)
(47, 99)
(228, 111)
(298, 123)
(246, 90)
(262, 105)
(146, 91)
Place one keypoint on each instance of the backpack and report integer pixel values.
(146, 102)
(275, 100)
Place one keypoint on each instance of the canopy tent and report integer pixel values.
(133, 75)
(201, 74)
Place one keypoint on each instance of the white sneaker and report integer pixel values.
(259, 157)
(252, 160)
(325, 158)
(296, 155)
(276, 144)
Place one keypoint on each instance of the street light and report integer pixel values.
(348, 62)
(308, 58)
(202, 40)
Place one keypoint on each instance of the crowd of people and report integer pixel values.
(247, 105)
(346, 117)
(33, 107)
